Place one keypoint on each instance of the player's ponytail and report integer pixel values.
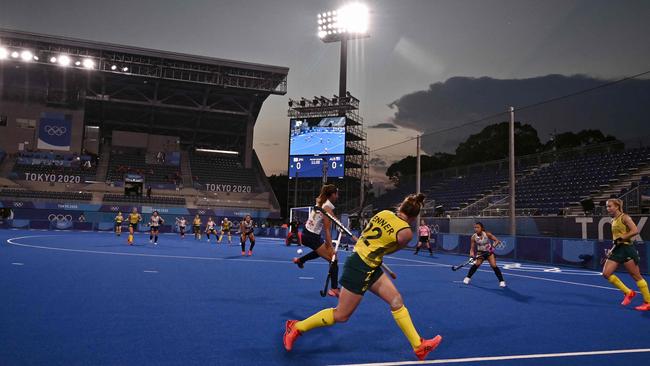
(325, 193)
(412, 204)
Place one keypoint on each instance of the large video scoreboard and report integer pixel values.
(313, 142)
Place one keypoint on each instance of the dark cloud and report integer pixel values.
(621, 110)
(384, 125)
(377, 162)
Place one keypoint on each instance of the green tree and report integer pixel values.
(407, 166)
(492, 143)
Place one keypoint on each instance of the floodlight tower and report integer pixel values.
(351, 21)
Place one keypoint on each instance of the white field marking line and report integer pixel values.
(149, 271)
(434, 264)
(11, 241)
(18, 264)
(305, 278)
(504, 358)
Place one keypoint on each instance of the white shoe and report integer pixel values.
(502, 284)
(150, 241)
(466, 280)
(155, 243)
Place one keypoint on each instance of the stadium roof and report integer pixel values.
(74, 42)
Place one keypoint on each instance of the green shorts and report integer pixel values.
(625, 252)
(358, 277)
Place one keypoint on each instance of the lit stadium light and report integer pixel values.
(53, 59)
(349, 22)
(3, 53)
(88, 63)
(64, 60)
(113, 67)
(213, 151)
(15, 54)
(77, 63)
(26, 55)
(35, 58)
(125, 69)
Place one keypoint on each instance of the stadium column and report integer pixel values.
(511, 156)
(248, 150)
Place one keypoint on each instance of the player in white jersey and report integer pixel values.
(154, 223)
(210, 228)
(246, 227)
(482, 248)
(182, 224)
(311, 235)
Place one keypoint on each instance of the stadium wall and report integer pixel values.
(18, 113)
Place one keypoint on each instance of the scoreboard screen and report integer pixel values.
(312, 166)
(313, 141)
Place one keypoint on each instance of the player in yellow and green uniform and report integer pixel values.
(386, 233)
(623, 252)
(118, 223)
(226, 225)
(196, 227)
(134, 220)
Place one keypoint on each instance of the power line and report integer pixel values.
(529, 106)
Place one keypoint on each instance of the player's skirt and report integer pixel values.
(134, 226)
(118, 224)
(211, 231)
(311, 240)
(424, 239)
(155, 228)
(196, 228)
(623, 253)
(358, 276)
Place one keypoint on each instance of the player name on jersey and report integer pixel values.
(52, 178)
(235, 188)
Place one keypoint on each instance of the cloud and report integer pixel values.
(620, 110)
(377, 162)
(384, 125)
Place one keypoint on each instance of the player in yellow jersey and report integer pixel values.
(118, 223)
(386, 233)
(196, 227)
(226, 225)
(134, 220)
(623, 252)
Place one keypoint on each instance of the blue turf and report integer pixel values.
(207, 305)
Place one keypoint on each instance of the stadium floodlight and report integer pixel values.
(15, 54)
(53, 59)
(77, 63)
(88, 63)
(213, 151)
(125, 69)
(26, 55)
(35, 58)
(113, 67)
(64, 60)
(3, 53)
(349, 22)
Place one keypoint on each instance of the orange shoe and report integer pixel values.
(334, 292)
(250, 252)
(644, 307)
(628, 298)
(296, 261)
(427, 346)
(290, 334)
(243, 253)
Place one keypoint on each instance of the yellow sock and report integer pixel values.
(618, 284)
(323, 318)
(643, 287)
(403, 320)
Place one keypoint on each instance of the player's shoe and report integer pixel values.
(628, 298)
(250, 252)
(502, 284)
(466, 280)
(427, 346)
(150, 241)
(644, 307)
(155, 243)
(333, 292)
(298, 263)
(290, 334)
(243, 253)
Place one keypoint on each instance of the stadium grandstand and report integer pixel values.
(571, 182)
(96, 127)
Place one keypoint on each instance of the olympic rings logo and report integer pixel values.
(59, 218)
(115, 208)
(18, 204)
(55, 130)
(201, 212)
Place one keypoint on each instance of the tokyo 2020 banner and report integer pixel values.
(54, 132)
